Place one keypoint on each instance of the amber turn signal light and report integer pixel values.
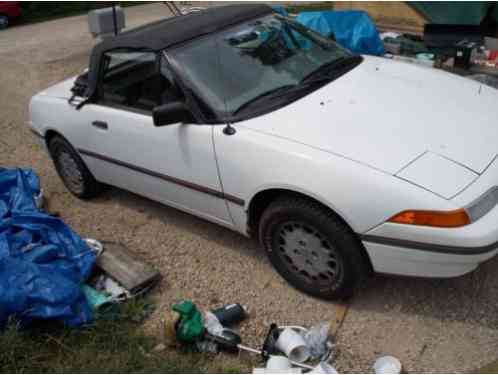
(440, 219)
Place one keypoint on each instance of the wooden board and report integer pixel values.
(132, 273)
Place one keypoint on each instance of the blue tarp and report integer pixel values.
(280, 9)
(352, 29)
(42, 261)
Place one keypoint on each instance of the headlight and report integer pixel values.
(482, 205)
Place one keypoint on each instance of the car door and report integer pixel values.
(172, 164)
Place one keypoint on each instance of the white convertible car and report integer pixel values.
(339, 164)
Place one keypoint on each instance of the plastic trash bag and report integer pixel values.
(191, 326)
(352, 29)
(212, 324)
(42, 261)
(316, 339)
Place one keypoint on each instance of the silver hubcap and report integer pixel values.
(308, 252)
(70, 172)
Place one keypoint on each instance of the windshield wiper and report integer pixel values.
(329, 70)
(325, 72)
(273, 93)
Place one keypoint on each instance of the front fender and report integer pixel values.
(251, 162)
(302, 190)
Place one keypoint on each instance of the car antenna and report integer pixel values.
(229, 129)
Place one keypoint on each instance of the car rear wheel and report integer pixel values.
(72, 169)
(4, 21)
(312, 248)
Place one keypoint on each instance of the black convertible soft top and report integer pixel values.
(165, 33)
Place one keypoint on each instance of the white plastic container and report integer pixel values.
(293, 345)
(278, 362)
(101, 21)
(387, 365)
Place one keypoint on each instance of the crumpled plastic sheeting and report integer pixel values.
(42, 261)
(316, 338)
(352, 29)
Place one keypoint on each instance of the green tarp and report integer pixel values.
(463, 13)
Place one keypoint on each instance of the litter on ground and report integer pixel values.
(47, 271)
(285, 349)
(43, 263)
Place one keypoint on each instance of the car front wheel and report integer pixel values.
(312, 248)
(72, 169)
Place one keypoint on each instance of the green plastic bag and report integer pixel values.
(191, 326)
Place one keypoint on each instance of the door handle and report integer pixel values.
(100, 125)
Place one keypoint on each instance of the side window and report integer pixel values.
(134, 80)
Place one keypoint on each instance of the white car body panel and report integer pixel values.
(183, 152)
(395, 260)
(476, 237)
(61, 90)
(385, 114)
(180, 151)
(456, 177)
(481, 233)
(383, 138)
(251, 162)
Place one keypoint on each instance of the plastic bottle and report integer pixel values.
(230, 314)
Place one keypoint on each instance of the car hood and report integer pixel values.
(386, 114)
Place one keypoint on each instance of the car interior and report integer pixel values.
(136, 81)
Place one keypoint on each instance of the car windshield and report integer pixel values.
(258, 62)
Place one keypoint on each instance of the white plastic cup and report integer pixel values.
(293, 345)
(278, 362)
(387, 365)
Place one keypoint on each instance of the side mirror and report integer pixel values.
(171, 113)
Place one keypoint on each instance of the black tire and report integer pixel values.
(72, 169)
(329, 261)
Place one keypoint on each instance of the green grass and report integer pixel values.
(114, 344)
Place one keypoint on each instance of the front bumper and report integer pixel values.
(406, 261)
(437, 252)
(432, 252)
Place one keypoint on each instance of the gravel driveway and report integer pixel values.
(430, 325)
